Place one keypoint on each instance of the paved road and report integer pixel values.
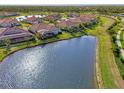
(119, 43)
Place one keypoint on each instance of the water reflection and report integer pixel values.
(64, 64)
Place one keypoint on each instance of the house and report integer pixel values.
(45, 30)
(69, 23)
(32, 20)
(8, 22)
(87, 18)
(75, 21)
(52, 17)
(78, 23)
(15, 35)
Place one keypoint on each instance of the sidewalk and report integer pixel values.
(119, 43)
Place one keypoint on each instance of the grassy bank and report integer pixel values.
(104, 55)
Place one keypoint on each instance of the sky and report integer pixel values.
(62, 2)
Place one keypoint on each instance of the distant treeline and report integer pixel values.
(101, 9)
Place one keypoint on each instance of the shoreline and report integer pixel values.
(98, 77)
(39, 44)
(95, 76)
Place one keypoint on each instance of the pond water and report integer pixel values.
(63, 64)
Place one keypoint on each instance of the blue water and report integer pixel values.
(64, 64)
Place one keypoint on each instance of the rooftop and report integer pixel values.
(40, 26)
(6, 20)
(12, 31)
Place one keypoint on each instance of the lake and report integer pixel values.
(67, 64)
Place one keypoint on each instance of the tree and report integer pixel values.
(7, 43)
(1, 42)
(116, 51)
(118, 18)
(114, 38)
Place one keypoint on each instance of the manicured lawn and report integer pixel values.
(24, 25)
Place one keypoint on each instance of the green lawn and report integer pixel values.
(24, 25)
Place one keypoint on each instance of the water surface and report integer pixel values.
(63, 64)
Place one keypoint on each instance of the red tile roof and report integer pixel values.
(15, 34)
(52, 16)
(69, 22)
(86, 17)
(75, 21)
(42, 26)
(32, 19)
(12, 31)
(7, 20)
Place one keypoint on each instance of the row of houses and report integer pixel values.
(9, 30)
(11, 22)
(23, 18)
(49, 30)
(70, 23)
